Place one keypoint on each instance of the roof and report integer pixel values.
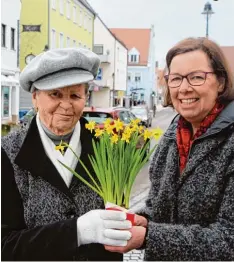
(138, 38)
(115, 37)
(229, 54)
(88, 6)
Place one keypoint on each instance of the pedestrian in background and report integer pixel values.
(47, 214)
(189, 213)
(154, 110)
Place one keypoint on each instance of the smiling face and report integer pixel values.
(60, 109)
(194, 102)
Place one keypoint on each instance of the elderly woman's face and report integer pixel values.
(194, 102)
(60, 109)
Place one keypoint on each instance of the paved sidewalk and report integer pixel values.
(134, 256)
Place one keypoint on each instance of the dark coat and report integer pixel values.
(191, 215)
(39, 212)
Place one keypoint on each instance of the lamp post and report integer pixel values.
(208, 12)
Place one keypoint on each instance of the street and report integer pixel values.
(141, 186)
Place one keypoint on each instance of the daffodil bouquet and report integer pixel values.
(119, 154)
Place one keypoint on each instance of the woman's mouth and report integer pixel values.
(189, 101)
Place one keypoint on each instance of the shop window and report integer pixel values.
(5, 101)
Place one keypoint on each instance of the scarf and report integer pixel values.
(185, 138)
(54, 155)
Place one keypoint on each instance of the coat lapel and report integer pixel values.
(32, 157)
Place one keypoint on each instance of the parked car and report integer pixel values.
(99, 115)
(143, 113)
(26, 118)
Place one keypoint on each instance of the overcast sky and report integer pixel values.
(173, 19)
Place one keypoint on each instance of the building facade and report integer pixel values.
(48, 24)
(10, 60)
(141, 78)
(110, 86)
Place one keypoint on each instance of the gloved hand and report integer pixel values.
(101, 226)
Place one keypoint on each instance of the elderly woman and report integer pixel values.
(190, 207)
(47, 214)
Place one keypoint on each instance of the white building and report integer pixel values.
(10, 14)
(110, 86)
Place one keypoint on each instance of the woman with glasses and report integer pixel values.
(189, 213)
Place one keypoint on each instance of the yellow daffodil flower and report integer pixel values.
(109, 129)
(98, 132)
(140, 129)
(157, 133)
(60, 148)
(114, 139)
(126, 137)
(107, 123)
(135, 121)
(147, 134)
(118, 125)
(90, 126)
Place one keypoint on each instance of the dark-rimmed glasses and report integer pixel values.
(196, 78)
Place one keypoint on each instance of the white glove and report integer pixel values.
(101, 226)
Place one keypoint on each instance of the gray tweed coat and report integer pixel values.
(191, 215)
(39, 211)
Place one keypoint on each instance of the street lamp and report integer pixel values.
(208, 12)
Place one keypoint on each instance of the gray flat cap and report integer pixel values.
(58, 68)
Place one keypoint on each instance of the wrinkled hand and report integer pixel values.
(136, 241)
(102, 226)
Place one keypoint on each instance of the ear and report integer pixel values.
(221, 84)
(34, 99)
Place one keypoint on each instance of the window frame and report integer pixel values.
(53, 38)
(53, 4)
(2, 101)
(68, 41)
(61, 35)
(61, 7)
(13, 39)
(68, 9)
(80, 17)
(3, 35)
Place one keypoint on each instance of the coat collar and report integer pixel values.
(223, 121)
(32, 157)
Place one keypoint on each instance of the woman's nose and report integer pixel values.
(65, 103)
(185, 86)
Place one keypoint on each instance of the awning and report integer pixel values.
(9, 81)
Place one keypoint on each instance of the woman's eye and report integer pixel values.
(54, 94)
(75, 96)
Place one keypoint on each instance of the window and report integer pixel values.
(74, 14)
(5, 101)
(53, 39)
(74, 43)
(137, 77)
(61, 7)
(68, 10)
(80, 18)
(85, 22)
(90, 25)
(98, 49)
(12, 39)
(53, 4)
(3, 35)
(133, 58)
(68, 41)
(61, 40)
(129, 76)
